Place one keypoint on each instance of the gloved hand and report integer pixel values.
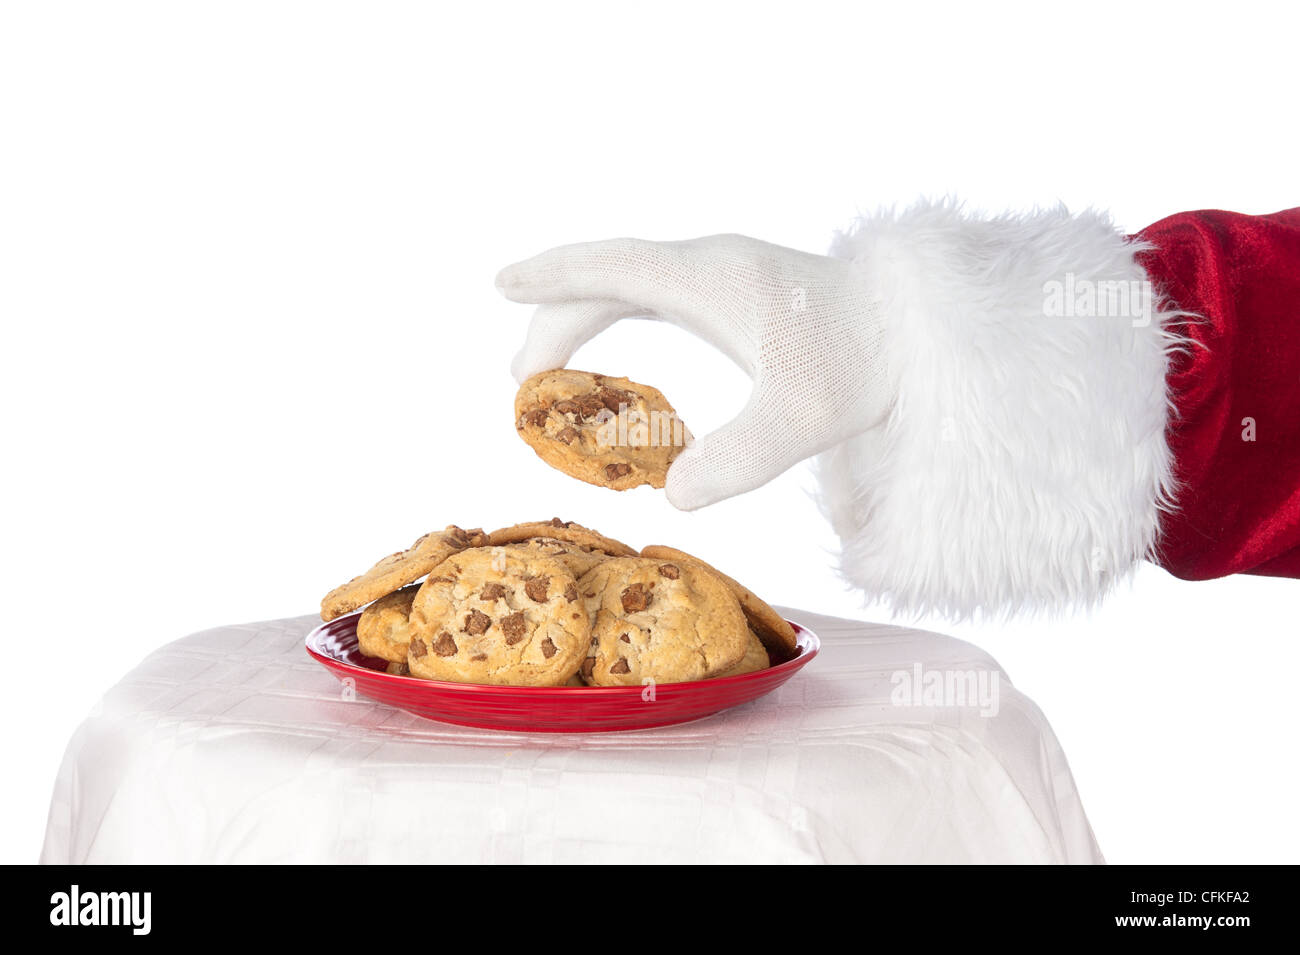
(803, 327)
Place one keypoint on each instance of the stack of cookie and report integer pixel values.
(554, 603)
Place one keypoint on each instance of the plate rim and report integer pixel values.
(806, 640)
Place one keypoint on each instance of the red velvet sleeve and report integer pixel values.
(1235, 430)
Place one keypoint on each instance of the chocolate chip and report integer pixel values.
(476, 622)
(492, 591)
(588, 665)
(635, 598)
(418, 649)
(479, 657)
(442, 580)
(571, 593)
(615, 471)
(625, 638)
(620, 667)
(548, 648)
(537, 417)
(671, 571)
(591, 405)
(556, 522)
(445, 646)
(513, 627)
(458, 538)
(535, 587)
(612, 398)
(567, 435)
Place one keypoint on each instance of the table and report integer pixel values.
(233, 746)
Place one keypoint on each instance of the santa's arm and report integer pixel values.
(1008, 413)
(1234, 428)
(1056, 423)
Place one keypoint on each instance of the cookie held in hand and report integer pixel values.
(606, 431)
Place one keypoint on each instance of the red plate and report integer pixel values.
(545, 709)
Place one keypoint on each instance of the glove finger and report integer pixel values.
(616, 268)
(557, 331)
(738, 457)
(684, 283)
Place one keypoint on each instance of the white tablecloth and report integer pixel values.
(232, 745)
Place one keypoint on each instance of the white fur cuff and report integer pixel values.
(1024, 465)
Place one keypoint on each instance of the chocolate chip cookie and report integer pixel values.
(493, 615)
(384, 629)
(755, 658)
(611, 432)
(584, 537)
(773, 629)
(397, 570)
(665, 621)
(577, 560)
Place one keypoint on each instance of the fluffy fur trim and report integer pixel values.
(1024, 464)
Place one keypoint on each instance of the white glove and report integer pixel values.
(803, 327)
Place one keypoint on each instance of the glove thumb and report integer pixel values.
(736, 458)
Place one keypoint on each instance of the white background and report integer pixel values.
(251, 341)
